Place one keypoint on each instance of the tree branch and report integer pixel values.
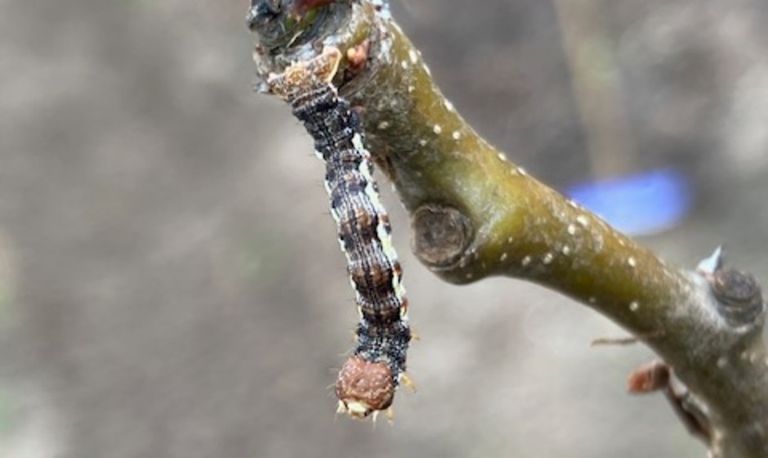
(475, 214)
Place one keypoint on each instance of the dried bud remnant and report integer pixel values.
(652, 377)
(358, 55)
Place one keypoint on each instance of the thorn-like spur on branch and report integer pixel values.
(476, 214)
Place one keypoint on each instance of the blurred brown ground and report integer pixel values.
(170, 283)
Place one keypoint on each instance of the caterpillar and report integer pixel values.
(368, 379)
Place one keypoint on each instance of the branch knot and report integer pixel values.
(441, 235)
(739, 298)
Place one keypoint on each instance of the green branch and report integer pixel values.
(476, 214)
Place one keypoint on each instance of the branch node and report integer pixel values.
(739, 298)
(441, 235)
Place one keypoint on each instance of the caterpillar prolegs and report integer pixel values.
(368, 379)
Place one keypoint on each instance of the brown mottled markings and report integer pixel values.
(372, 280)
(357, 225)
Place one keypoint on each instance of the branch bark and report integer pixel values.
(476, 214)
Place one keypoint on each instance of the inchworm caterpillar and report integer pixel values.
(368, 379)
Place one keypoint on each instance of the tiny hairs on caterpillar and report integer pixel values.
(368, 379)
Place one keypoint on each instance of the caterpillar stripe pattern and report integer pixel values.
(368, 379)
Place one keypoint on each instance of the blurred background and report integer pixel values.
(170, 283)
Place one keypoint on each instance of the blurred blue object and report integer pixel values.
(639, 204)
